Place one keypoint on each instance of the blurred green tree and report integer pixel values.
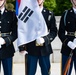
(10, 4)
(62, 5)
(50, 4)
(57, 6)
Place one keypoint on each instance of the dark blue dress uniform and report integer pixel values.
(41, 53)
(67, 33)
(8, 31)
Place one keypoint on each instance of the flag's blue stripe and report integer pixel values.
(16, 7)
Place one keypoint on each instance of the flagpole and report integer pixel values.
(26, 64)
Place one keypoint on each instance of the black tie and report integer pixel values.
(0, 13)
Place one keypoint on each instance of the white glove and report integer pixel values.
(40, 41)
(23, 52)
(74, 41)
(2, 41)
(71, 45)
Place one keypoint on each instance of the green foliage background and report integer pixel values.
(10, 4)
(57, 6)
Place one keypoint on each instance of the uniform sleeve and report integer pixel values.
(22, 47)
(61, 32)
(52, 29)
(13, 35)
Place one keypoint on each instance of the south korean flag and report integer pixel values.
(31, 24)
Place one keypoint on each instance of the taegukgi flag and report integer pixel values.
(31, 24)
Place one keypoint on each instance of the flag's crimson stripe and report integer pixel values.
(19, 2)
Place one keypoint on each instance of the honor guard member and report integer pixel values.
(40, 49)
(67, 35)
(8, 33)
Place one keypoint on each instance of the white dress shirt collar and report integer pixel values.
(2, 10)
(41, 9)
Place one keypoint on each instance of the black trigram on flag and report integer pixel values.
(25, 14)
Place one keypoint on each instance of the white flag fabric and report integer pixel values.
(31, 24)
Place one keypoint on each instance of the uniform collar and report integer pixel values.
(72, 13)
(2, 10)
(74, 10)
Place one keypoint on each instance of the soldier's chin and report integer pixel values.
(1, 5)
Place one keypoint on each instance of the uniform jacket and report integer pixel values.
(69, 27)
(46, 49)
(8, 24)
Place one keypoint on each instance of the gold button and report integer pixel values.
(8, 21)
